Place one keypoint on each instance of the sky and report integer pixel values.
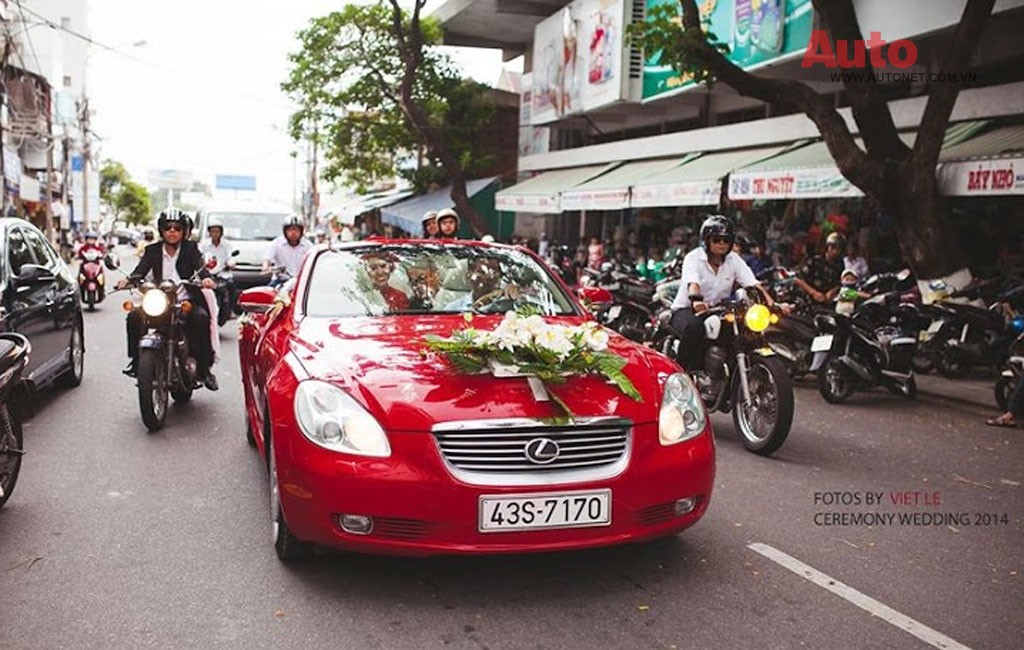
(203, 92)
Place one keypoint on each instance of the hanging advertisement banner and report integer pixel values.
(540, 203)
(758, 32)
(578, 56)
(998, 176)
(693, 193)
(12, 166)
(611, 199)
(809, 183)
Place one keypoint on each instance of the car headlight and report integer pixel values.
(758, 318)
(155, 302)
(682, 414)
(330, 418)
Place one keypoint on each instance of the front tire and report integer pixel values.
(952, 363)
(289, 548)
(152, 389)
(72, 377)
(834, 382)
(764, 424)
(11, 451)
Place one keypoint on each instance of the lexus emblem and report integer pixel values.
(542, 451)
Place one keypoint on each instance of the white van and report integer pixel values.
(250, 227)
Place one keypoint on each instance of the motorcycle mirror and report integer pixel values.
(111, 262)
(903, 275)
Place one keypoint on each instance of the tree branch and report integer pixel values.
(942, 95)
(853, 163)
(869, 108)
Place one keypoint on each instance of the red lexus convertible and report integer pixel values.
(425, 397)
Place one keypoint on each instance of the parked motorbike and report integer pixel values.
(166, 367)
(1012, 372)
(873, 347)
(971, 335)
(14, 351)
(91, 279)
(742, 374)
(630, 312)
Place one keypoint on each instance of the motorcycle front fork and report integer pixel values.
(741, 365)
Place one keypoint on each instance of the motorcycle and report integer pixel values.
(971, 335)
(742, 374)
(873, 347)
(224, 290)
(91, 278)
(14, 351)
(165, 365)
(1012, 372)
(629, 313)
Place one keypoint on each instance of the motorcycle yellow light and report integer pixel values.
(728, 318)
(758, 318)
(99, 280)
(154, 302)
(127, 305)
(186, 307)
(774, 319)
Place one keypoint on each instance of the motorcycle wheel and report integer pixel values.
(11, 451)
(834, 382)
(1003, 391)
(922, 364)
(764, 424)
(152, 389)
(287, 545)
(951, 363)
(631, 324)
(908, 390)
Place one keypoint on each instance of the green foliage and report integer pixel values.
(664, 40)
(346, 79)
(126, 199)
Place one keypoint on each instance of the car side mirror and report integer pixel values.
(258, 300)
(31, 274)
(593, 295)
(111, 261)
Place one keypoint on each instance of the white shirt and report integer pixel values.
(714, 286)
(170, 269)
(281, 253)
(221, 254)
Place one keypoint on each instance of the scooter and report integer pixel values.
(91, 278)
(14, 351)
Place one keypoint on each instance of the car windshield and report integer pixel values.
(430, 278)
(250, 225)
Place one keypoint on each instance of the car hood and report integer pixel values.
(383, 363)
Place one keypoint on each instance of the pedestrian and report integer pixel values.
(542, 246)
(1014, 409)
(595, 253)
(854, 261)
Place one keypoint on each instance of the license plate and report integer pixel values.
(821, 343)
(545, 510)
(614, 311)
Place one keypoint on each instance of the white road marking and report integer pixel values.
(865, 602)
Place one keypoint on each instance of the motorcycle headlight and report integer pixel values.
(758, 318)
(682, 414)
(330, 418)
(155, 302)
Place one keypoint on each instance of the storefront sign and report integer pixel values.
(758, 32)
(29, 189)
(615, 199)
(810, 183)
(668, 195)
(540, 203)
(578, 56)
(982, 177)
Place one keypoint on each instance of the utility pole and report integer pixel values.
(83, 119)
(3, 100)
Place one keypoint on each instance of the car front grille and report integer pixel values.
(517, 447)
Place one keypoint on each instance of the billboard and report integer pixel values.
(758, 32)
(228, 182)
(578, 58)
(170, 179)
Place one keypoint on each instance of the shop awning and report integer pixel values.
(408, 214)
(989, 164)
(542, 193)
(610, 191)
(348, 213)
(810, 172)
(697, 181)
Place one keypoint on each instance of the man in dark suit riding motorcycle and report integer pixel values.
(175, 257)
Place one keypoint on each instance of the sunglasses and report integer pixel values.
(718, 239)
(172, 227)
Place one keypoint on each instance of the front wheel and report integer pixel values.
(289, 548)
(152, 389)
(834, 381)
(11, 451)
(764, 422)
(1004, 391)
(952, 363)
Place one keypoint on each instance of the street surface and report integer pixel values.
(116, 538)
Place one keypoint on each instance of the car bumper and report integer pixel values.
(246, 278)
(419, 508)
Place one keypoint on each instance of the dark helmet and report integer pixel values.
(716, 224)
(744, 243)
(293, 220)
(174, 215)
(836, 239)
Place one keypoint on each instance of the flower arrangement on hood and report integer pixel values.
(536, 348)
